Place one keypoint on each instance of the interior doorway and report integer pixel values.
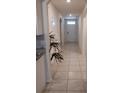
(71, 30)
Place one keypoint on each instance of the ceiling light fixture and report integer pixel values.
(68, 1)
(70, 15)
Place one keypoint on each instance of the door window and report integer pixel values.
(71, 22)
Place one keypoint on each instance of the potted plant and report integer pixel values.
(57, 50)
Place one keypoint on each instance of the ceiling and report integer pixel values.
(75, 7)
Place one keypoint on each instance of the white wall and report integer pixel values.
(40, 64)
(54, 18)
(80, 34)
(40, 75)
(83, 44)
(38, 18)
(85, 50)
(46, 35)
(83, 32)
(85, 36)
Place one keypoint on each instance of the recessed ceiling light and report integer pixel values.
(68, 1)
(70, 15)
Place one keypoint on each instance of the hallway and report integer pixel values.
(69, 76)
(62, 24)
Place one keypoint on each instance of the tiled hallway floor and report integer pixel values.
(69, 75)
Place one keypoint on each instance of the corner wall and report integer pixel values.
(83, 32)
(54, 20)
(85, 36)
(38, 18)
(83, 44)
(80, 34)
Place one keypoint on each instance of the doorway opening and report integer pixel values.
(71, 30)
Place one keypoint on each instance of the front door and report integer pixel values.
(71, 30)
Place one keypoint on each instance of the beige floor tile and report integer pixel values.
(66, 60)
(74, 91)
(60, 76)
(74, 60)
(75, 75)
(63, 64)
(84, 75)
(85, 86)
(75, 85)
(74, 64)
(57, 85)
(74, 54)
(80, 57)
(84, 63)
(54, 92)
(63, 68)
(81, 61)
(74, 68)
(69, 74)
(83, 68)
(68, 57)
(81, 64)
